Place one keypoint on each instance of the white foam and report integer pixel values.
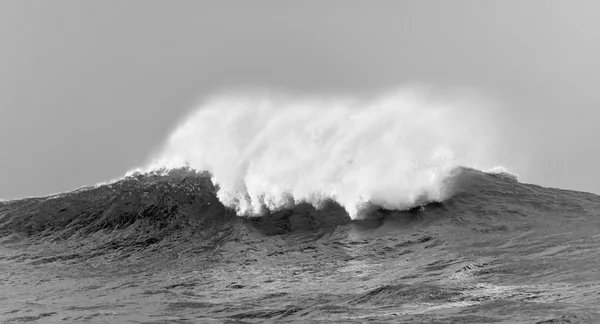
(272, 151)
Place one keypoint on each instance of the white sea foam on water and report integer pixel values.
(502, 171)
(270, 151)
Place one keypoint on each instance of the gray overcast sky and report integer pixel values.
(88, 89)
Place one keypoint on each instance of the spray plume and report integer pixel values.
(268, 152)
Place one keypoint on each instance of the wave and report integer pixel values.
(174, 205)
(267, 152)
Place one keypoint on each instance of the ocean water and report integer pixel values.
(162, 248)
(270, 208)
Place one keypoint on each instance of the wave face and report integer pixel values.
(269, 152)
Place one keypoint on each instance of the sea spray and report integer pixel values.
(267, 152)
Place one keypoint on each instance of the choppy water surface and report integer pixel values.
(163, 249)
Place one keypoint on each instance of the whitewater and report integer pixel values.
(268, 150)
(335, 181)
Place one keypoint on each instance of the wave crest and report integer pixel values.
(268, 152)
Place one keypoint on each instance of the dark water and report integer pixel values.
(163, 249)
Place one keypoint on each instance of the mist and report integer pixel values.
(269, 150)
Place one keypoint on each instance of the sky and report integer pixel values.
(90, 89)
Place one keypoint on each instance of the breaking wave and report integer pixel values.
(267, 152)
